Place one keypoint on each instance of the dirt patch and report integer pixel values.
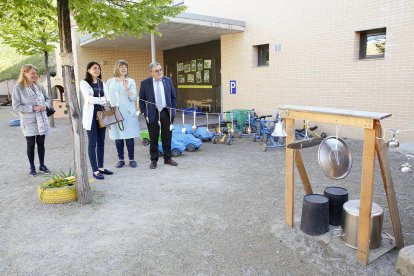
(220, 212)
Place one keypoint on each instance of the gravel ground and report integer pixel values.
(220, 212)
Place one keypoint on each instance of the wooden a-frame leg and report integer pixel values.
(388, 187)
(289, 189)
(302, 173)
(367, 183)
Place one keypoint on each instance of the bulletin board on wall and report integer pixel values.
(195, 73)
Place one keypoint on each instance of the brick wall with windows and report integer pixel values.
(318, 63)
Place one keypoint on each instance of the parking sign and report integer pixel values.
(232, 87)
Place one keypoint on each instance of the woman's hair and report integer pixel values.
(88, 77)
(22, 80)
(117, 65)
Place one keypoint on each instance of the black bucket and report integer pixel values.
(337, 197)
(315, 215)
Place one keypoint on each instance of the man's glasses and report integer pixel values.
(158, 71)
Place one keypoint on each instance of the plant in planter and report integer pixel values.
(60, 188)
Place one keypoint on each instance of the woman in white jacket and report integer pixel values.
(95, 94)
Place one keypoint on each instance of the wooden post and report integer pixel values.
(388, 186)
(367, 183)
(289, 192)
(302, 173)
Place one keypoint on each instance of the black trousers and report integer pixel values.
(166, 134)
(31, 141)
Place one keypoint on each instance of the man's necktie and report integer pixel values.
(158, 96)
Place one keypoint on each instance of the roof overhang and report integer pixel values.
(185, 29)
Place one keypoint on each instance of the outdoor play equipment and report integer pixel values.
(263, 127)
(177, 148)
(275, 138)
(224, 132)
(204, 134)
(191, 143)
(372, 144)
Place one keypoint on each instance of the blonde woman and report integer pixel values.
(123, 93)
(95, 94)
(29, 98)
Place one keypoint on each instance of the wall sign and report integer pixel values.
(232, 87)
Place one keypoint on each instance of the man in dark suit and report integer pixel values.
(157, 103)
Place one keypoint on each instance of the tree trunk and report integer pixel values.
(81, 167)
(49, 87)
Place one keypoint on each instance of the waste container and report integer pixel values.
(241, 115)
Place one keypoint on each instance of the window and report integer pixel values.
(263, 55)
(372, 43)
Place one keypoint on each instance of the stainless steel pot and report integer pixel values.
(350, 215)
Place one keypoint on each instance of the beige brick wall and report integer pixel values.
(137, 61)
(318, 65)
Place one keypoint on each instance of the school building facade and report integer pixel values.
(338, 54)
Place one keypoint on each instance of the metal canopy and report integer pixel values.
(185, 29)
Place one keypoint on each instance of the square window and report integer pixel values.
(372, 44)
(262, 55)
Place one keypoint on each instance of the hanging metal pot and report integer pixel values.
(334, 157)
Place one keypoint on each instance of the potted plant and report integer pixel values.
(60, 188)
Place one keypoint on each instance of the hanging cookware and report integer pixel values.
(279, 130)
(183, 129)
(307, 142)
(393, 142)
(194, 128)
(334, 157)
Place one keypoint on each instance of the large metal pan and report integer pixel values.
(305, 143)
(334, 157)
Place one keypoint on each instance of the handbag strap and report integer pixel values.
(119, 123)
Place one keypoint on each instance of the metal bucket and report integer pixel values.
(350, 217)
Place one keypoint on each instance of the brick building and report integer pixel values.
(323, 53)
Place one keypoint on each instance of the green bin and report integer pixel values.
(241, 115)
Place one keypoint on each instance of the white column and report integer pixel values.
(152, 48)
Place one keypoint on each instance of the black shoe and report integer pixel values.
(99, 176)
(44, 170)
(170, 162)
(33, 173)
(132, 164)
(120, 164)
(105, 171)
(153, 165)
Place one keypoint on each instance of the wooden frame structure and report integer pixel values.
(369, 121)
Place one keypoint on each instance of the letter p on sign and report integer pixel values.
(232, 87)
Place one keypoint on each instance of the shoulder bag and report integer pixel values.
(110, 115)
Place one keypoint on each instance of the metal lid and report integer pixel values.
(334, 157)
(352, 207)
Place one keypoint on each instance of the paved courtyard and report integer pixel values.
(220, 212)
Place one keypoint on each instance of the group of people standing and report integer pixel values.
(157, 102)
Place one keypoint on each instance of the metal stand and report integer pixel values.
(369, 121)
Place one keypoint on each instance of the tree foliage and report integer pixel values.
(110, 18)
(29, 26)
